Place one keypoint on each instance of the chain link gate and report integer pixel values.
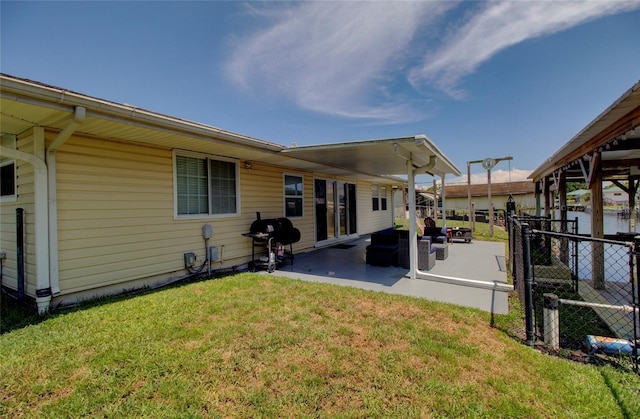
(583, 291)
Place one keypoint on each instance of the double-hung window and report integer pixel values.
(383, 198)
(375, 194)
(205, 186)
(8, 171)
(293, 196)
(378, 198)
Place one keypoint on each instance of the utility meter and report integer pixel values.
(207, 231)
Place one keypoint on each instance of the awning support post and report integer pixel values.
(413, 240)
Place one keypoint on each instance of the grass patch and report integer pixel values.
(481, 232)
(256, 345)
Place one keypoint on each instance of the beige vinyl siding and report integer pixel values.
(262, 189)
(8, 237)
(116, 215)
(25, 200)
(116, 218)
(370, 221)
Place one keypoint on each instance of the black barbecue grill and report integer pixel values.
(271, 235)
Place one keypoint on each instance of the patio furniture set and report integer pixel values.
(390, 247)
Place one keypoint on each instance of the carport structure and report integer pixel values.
(607, 149)
(410, 156)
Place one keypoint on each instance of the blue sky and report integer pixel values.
(481, 79)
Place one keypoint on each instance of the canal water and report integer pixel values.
(616, 256)
(611, 222)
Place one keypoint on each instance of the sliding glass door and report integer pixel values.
(335, 209)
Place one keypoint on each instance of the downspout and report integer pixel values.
(78, 117)
(43, 288)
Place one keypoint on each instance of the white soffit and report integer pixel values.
(383, 157)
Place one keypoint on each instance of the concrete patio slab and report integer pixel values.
(473, 275)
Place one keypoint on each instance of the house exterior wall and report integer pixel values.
(499, 202)
(8, 240)
(370, 221)
(616, 196)
(117, 228)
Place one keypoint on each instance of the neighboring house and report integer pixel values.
(614, 195)
(578, 198)
(114, 196)
(457, 196)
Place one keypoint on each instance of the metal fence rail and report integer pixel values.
(578, 293)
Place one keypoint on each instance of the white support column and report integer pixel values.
(444, 203)
(413, 237)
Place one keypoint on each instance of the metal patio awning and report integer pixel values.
(383, 157)
(408, 156)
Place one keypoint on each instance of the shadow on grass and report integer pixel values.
(16, 315)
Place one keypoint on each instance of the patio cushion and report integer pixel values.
(382, 257)
(383, 250)
(426, 254)
(437, 234)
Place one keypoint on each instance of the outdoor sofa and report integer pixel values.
(390, 247)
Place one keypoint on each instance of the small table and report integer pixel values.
(461, 233)
(442, 250)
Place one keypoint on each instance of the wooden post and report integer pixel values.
(633, 189)
(490, 202)
(538, 192)
(548, 204)
(562, 194)
(473, 216)
(597, 228)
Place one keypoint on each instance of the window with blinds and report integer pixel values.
(205, 186)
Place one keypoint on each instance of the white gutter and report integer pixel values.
(43, 288)
(26, 91)
(54, 264)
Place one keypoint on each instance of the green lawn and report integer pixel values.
(257, 345)
(481, 231)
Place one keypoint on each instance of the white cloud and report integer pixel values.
(497, 176)
(500, 24)
(336, 57)
(348, 58)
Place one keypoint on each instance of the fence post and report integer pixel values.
(551, 315)
(528, 284)
(511, 246)
(635, 298)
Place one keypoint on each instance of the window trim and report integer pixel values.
(375, 197)
(285, 196)
(383, 197)
(208, 158)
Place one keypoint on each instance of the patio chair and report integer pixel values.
(426, 253)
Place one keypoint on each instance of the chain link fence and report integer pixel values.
(579, 294)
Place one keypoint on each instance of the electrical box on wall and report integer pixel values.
(207, 231)
(213, 253)
(189, 260)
